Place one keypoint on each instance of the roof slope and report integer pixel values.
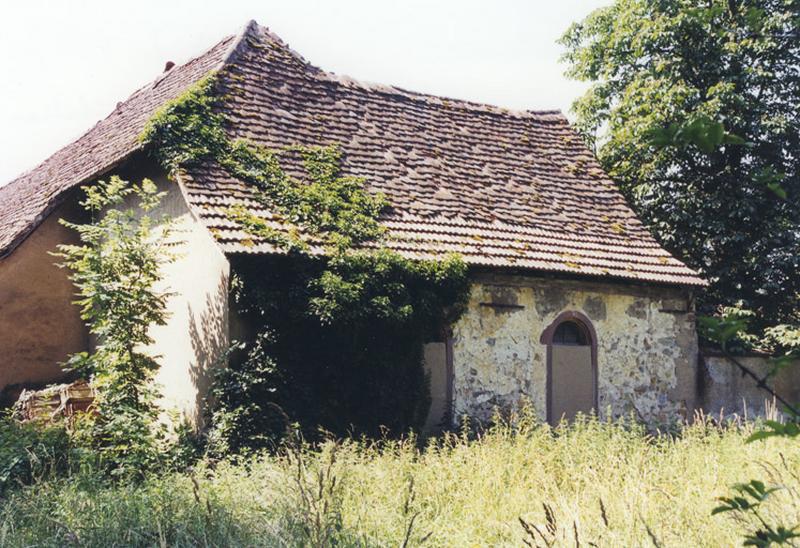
(502, 188)
(27, 200)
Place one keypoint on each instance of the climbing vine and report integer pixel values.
(331, 209)
(189, 128)
(340, 320)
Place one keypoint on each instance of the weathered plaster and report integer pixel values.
(39, 325)
(726, 391)
(195, 337)
(646, 353)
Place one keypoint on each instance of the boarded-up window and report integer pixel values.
(571, 367)
(435, 356)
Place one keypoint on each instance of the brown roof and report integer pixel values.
(503, 188)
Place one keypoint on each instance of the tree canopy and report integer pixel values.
(693, 110)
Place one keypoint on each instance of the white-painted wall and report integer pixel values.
(195, 338)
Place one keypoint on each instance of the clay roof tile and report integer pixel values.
(505, 188)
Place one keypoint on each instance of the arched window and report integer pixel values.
(570, 333)
(571, 366)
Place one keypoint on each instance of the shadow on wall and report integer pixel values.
(725, 391)
(208, 331)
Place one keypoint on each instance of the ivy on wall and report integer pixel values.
(336, 337)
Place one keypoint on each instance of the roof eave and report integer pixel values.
(58, 200)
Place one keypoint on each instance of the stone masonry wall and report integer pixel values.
(647, 345)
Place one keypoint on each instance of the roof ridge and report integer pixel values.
(389, 89)
(238, 42)
(27, 199)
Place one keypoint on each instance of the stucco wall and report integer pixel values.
(646, 355)
(39, 325)
(195, 337)
(726, 391)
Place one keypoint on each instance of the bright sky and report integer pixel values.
(66, 63)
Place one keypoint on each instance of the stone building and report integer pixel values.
(574, 305)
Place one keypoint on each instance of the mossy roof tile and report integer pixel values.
(506, 189)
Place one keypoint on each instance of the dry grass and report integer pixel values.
(595, 483)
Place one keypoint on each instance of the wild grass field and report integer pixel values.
(591, 484)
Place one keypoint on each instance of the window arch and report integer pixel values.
(574, 330)
(571, 333)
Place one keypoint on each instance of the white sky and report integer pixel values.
(65, 64)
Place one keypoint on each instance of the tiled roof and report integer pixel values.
(507, 189)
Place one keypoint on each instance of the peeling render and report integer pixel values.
(647, 346)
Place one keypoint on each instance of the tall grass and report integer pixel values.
(610, 484)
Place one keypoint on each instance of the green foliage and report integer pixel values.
(728, 329)
(750, 497)
(116, 270)
(383, 286)
(336, 208)
(333, 209)
(338, 325)
(783, 337)
(774, 428)
(731, 330)
(31, 452)
(340, 343)
(341, 335)
(242, 411)
(187, 129)
(701, 131)
(693, 111)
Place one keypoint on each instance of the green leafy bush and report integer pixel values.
(116, 269)
(32, 452)
(242, 411)
(340, 344)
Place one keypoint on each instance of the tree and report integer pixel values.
(116, 270)
(693, 110)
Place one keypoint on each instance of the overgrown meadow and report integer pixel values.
(594, 483)
(709, 162)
